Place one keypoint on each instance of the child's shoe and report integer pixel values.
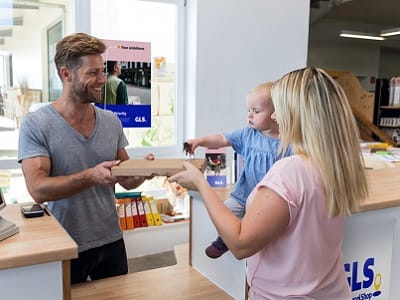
(216, 249)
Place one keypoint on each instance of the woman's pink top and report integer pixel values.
(306, 262)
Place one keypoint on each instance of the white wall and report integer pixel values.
(345, 57)
(339, 57)
(365, 59)
(233, 46)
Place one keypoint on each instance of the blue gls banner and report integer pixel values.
(131, 115)
(217, 180)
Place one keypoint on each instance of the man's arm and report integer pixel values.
(44, 187)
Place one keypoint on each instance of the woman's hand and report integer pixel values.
(149, 156)
(191, 178)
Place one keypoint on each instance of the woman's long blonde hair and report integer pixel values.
(315, 119)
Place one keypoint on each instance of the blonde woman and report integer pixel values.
(292, 231)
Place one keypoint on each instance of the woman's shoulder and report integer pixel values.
(294, 162)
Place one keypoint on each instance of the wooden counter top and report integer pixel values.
(384, 187)
(40, 240)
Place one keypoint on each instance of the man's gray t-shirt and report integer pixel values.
(90, 216)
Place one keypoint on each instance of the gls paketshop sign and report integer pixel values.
(363, 278)
(367, 254)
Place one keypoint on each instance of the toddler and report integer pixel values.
(257, 144)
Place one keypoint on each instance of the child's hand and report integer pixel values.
(187, 148)
(190, 145)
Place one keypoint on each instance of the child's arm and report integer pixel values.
(213, 141)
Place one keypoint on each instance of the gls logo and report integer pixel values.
(369, 278)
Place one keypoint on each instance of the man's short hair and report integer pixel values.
(71, 48)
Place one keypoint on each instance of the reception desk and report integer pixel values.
(371, 245)
(34, 263)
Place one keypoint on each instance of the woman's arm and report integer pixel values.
(266, 218)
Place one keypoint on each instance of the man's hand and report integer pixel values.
(102, 173)
(134, 181)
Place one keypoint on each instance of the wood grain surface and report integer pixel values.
(178, 282)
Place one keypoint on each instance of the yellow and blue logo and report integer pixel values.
(363, 279)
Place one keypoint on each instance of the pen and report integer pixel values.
(45, 209)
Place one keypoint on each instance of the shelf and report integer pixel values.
(155, 239)
(390, 107)
(392, 122)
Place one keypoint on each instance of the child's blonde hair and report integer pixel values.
(266, 86)
(316, 120)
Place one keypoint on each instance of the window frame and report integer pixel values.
(83, 13)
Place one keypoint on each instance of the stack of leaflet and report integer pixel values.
(7, 228)
(392, 155)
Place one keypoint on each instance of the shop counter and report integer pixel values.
(371, 245)
(35, 263)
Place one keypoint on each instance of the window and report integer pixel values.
(23, 71)
(156, 22)
(26, 78)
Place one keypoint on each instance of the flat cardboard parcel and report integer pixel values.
(156, 167)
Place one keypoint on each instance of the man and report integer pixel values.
(67, 149)
(114, 91)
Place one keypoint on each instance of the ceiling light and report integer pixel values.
(390, 32)
(360, 35)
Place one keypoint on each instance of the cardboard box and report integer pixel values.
(157, 167)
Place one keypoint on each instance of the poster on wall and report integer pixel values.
(367, 254)
(127, 92)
